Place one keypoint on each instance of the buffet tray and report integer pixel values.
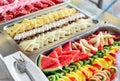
(42, 13)
(33, 14)
(101, 27)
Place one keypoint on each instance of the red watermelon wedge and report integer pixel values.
(59, 50)
(65, 59)
(67, 47)
(53, 55)
(80, 56)
(48, 64)
(73, 52)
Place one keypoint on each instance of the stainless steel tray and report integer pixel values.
(84, 34)
(102, 27)
(31, 15)
(45, 11)
(56, 42)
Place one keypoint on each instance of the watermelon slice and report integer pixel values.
(65, 59)
(59, 50)
(80, 56)
(67, 47)
(48, 64)
(73, 52)
(53, 55)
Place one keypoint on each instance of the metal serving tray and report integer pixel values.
(56, 42)
(31, 15)
(102, 27)
(84, 34)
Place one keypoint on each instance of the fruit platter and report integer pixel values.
(12, 9)
(91, 56)
(34, 34)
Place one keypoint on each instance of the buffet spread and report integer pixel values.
(67, 44)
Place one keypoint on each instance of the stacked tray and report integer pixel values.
(49, 28)
(90, 56)
(12, 10)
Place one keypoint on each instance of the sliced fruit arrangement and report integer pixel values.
(10, 9)
(89, 59)
(29, 24)
(44, 39)
(33, 34)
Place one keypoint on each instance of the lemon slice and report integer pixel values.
(97, 62)
(65, 78)
(79, 73)
(61, 79)
(88, 71)
(103, 62)
(74, 74)
(82, 69)
(70, 75)
(112, 58)
(116, 47)
(112, 51)
(109, 62)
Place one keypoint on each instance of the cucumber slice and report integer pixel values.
(63, 72)
(59, 75)
(84, 62)
(56, 77)
(95, 56)
(76, 64)
(67, 69)
(52, 78)
(73, 67)
(81, 63)
(90, 60)
(100, 54)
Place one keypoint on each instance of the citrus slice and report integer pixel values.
(65, 78)
(88, 71)
(85, 72)
(74, 74)
(61, 79)
(70, 75)
(79, 73)
(103, 62)
(97, 62)
(111, 57)
(108, 60)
